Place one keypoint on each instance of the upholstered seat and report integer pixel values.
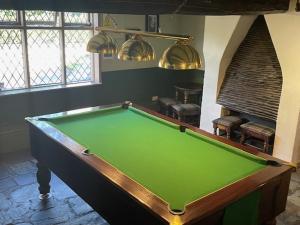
(258, 131)
(165, 105)
(188, 113)
(228, 120)
(227, 124)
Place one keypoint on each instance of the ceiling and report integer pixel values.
(193, 7)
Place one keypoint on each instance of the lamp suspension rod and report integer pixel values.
(147, 34)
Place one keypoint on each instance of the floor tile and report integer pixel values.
(7, 183)
(25, 179)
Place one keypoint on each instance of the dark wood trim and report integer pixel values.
(142, 7)
(195, 211)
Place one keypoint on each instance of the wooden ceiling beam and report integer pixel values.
(192, 7)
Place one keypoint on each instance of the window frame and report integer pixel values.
(61, 26)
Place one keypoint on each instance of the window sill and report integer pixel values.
(48, 88)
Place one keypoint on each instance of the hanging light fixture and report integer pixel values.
(102, 43)
(180, 56)
(136, 49)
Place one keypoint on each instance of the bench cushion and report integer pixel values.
(167, 101)
(258, 128)
(187, 109)
(228, 121)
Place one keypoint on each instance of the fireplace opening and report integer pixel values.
(251, 90)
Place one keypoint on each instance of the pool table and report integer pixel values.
(137, 167)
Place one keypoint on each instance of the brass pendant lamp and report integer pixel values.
(180, 56)
(136, 49)
(102, 43)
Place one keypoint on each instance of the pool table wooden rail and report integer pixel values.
(111, 193)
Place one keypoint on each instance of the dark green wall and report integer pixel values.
(136, 85)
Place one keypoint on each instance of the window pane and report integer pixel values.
(11, 61)
(44, 57)
(78, 60)
(77, 18)
(41, 18)
(8, 16)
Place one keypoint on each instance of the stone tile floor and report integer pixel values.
(19, 203)
(292, 214)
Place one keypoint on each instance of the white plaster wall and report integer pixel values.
(168, 24)
(222, 36)
(296, 154)
(285, 33)
(194, 26)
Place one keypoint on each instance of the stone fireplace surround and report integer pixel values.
(253, 79)
(222, 37)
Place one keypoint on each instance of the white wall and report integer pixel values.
(222, 36)
(194, 26)
(168, 24)
(285, 33)
(296, 155)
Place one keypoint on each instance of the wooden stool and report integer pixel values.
(188, 113)
(165, 105)
(258, 131)
(227, 124)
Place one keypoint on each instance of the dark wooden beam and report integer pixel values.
(194, 7)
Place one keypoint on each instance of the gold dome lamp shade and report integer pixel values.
(180, 56)
(102, 43)
(136, 49)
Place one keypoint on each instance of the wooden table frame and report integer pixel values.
(188, 89)
(120, 200)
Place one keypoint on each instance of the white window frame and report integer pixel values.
(23, 27)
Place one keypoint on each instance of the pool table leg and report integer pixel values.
(43, 176)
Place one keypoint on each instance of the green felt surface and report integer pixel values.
(180, 167)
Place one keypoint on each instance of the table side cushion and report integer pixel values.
(187, 109)
(167, 101)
